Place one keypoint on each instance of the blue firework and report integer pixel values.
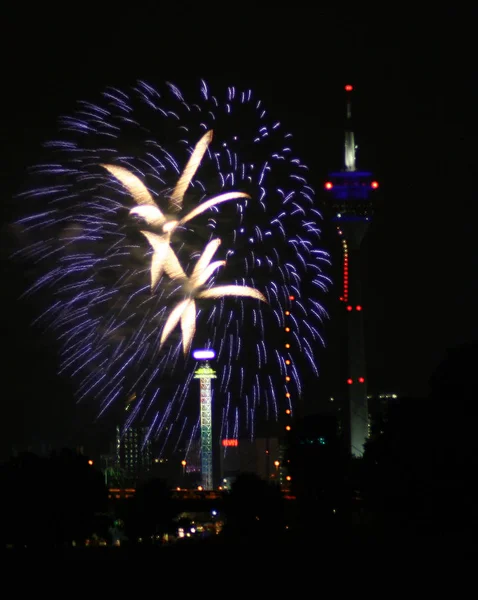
(95, 263)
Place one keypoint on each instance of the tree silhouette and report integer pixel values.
(254, 507)
(51, 501)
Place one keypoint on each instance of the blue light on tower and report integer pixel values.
(205, 373)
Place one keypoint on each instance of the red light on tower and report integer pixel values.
(349, 88)
(374, 185)
(349, 308)
(291, 297)
(350, 381)
(358, 308)
(329, 185)
(361, 380)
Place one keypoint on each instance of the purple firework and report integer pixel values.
(93, 260)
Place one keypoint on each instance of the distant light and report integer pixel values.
(349, 308)
(349, 88)
(90, 462)
(288, 428)
(203, 354)
(361, 380)
(329, 185)
(374, 185)
(291, 297)
(287, 329)
(214, 513)
(358, 307)
(287, 412)
(350, 381)
(287, 362)
(287, 313)
(200, 488)
(289, 478)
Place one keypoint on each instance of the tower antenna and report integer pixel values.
(349, 134)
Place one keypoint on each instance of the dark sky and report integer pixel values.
(415, 105)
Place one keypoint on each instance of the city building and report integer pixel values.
(133, 454)
(379, 407)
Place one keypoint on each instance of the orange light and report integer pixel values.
(291, 297)
(288, 411)
(200, 488)
(184, 463)
(90, 462)
(288, 427)
(349, 88)
(287, 378)
(276, 463)
(287, 362)
(289, 478)
(229, 443)
(329, 185)
(374, 185)
(287, 395)
(287, 312)
(287, 329)
(287, 345)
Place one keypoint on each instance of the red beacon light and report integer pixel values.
(350, 381)
(361, 380)
(349, 88)
(329, 185)
(374, 185)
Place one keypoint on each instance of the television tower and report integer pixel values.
(351, 191)
(205, 373)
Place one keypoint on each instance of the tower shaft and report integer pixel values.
(205, 374)
(206, 433)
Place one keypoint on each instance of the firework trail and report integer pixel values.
(94, 245)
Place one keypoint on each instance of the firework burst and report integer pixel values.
(130, 203)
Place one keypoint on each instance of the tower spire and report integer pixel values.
(349, 134)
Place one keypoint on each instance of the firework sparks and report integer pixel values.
(185, 311)
(163, 257)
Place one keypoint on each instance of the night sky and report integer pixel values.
(414, 106)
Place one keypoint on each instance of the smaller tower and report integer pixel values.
(205, 373)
